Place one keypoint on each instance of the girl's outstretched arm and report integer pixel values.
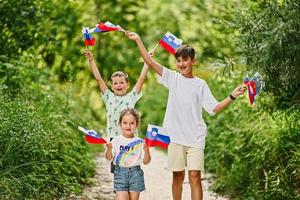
(89, 56)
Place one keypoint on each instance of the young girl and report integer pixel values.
(128, 152)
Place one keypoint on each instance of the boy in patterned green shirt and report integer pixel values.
(118, 99)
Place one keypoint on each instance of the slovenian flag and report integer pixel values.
(92, 136)
(170, 42)
(107, 26)
(156, 136)
(87, 34)
(254, 86)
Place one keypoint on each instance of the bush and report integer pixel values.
(270, 42)
(254, 152)
(42, 154)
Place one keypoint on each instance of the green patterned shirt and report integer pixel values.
(114, 105)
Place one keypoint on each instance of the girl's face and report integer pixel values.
(119, 85)
(128, 125)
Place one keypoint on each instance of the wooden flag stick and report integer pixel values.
(154, 49)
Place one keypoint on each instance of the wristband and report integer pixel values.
(231, 97)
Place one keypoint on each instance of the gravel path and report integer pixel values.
(157, 179)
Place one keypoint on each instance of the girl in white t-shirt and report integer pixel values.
(128, 153)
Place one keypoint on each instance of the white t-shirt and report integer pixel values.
(183, 118)
(114, 105)
(127, 152)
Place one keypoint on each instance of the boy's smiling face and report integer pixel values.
(185, 66)
(119, 85)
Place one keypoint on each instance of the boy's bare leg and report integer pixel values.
(122, 195)
(195, 183)
(134, 195)
(178, 178)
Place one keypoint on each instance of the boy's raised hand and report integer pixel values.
(88, 55)
(132, 35)
(238, 91)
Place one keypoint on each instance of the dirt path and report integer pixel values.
(157, 179)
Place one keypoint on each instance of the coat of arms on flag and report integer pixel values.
(170, 42)
(157, 136)
(254, 86)
(92, 136)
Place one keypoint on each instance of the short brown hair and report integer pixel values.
(185, 51)
(130, 111)
(120, 74)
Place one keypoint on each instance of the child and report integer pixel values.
(126, 151)
(183, 118)
(119, 99)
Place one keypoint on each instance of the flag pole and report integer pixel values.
(154, 49)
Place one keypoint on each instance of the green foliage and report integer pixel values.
(270, 42)
(254, 152)
(42, 156)
(19, 22)
(47, 89)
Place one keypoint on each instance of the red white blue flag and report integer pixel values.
(92, 136)
(254, 86)
(106, 27)
(170, 42)
(100, 28)
(156, 136)
(87, 34)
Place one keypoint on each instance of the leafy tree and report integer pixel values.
(270, 41)
(19, 22)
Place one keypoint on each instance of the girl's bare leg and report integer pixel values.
(122, 195)
(134, 195)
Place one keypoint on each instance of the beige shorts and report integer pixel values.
(180, 156)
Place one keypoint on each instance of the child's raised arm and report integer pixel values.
(147, 58)
(89, 56)
(139, 84)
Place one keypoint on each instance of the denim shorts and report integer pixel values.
(130, 179)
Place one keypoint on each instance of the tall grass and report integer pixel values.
(42, 154)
